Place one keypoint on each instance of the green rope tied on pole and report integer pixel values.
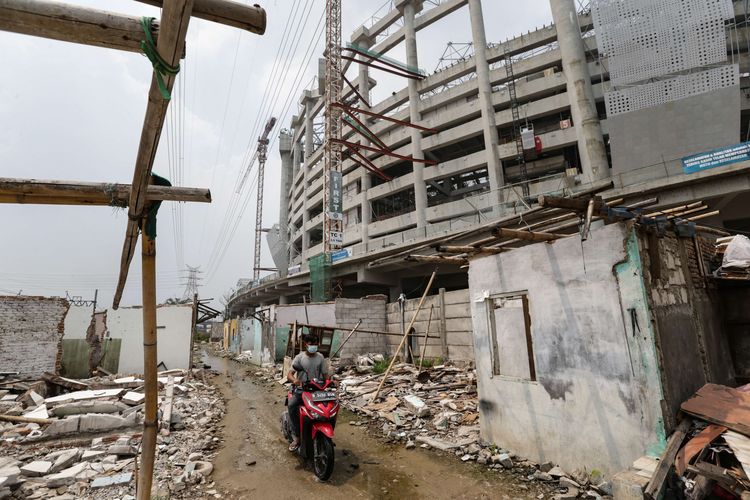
(161, 67)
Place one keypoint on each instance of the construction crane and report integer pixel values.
(262, 154)
(332, 157)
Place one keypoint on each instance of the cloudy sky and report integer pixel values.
(72, 112)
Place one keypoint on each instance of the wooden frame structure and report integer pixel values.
(71, 23)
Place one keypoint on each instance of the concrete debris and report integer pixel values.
(86, 444)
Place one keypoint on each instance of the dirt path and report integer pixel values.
(254, 462)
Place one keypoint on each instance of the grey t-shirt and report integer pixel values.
(309, 367)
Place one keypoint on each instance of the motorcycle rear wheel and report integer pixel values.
(323, 457)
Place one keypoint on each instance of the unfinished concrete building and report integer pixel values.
(555, 110)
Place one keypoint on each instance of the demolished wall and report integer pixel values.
(453, 322)
(31, 331)
(593, 398)
(372, 313)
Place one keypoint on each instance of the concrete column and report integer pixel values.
(296, 160)
(285, 150)
(362, 38)
(307, 100)
(591, 146)
(409, 9)
(489, 125)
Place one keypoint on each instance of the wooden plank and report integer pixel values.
(721, 405)
(250, 18)
(89, 193)
(175, 19)
(73, 23)
(443, 326)
(656, 485)
(691, 449)
(166, 412)
(502, 232)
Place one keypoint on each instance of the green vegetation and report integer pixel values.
(381, 366)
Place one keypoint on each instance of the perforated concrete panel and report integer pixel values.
(644, 39)
(648, 95)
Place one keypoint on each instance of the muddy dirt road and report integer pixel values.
(254, 462)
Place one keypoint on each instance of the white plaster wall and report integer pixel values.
(173, 340)
(77, 322)
(595, 401)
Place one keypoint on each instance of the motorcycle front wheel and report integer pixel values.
(323, 457)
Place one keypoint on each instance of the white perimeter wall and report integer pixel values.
(173, 325)
(77, 322)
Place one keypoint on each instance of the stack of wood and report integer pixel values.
(708, 455)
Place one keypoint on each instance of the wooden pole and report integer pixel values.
(406, 333)
(90, 193)
(426, 332)
(73, 23)
(443, 325)
(502, 232)
(150, 383)
(247, 17)
(437, 259)
(459, 249)
(175, 19)
(346, 339)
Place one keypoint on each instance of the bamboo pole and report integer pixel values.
(406, 333)
(24, 420)
(704, 216)
(73, 23)
(175, 19)
(90, 193)
(151, 403)
(346, 339)
(426, 332)
(502, 232)
(470, 249)
(437, 259)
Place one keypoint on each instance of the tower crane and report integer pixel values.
(262, 154)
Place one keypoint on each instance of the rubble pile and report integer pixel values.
(436, 408)
(708, 455)
(64, 439)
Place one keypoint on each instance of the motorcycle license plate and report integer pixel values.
(324, 395)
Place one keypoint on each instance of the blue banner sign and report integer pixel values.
(339, 255)
(716, 158)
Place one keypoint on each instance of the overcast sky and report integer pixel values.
(72, 112)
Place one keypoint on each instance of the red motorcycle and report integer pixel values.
(317, 416)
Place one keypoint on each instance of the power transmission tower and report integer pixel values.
(262, 155)
(332, 180)
(193, 282)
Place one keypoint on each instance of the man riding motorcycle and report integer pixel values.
(307, 365)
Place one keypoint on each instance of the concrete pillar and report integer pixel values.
(489, 125)
(307, 101)
(296, 160)
(591, 146)
(409, 9)
(285, 150)
(362, 38)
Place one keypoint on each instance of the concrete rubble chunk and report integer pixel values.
(89, 406)
(101, 482)
(36, 468)
(65, 459)
(66, 476)
(556, 472)
(89, 455)
(133, 398)
(416, 405)
(81, 395)
(436, 443)
(38, 412)
(9, 476)
(59, 427)
(94, 422)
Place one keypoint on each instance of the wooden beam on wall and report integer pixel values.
(246, 17)
(73, 23)
(175, 20)
(438, 259)
(32, 191)
(502, 232)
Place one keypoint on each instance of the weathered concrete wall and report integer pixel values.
(372, 313)
(318, 314)
(31, 332)
(735, 298)
(693, 349)
(76, 350)
(217, 331)
(458, 325)
(594, 400)
(173, 332)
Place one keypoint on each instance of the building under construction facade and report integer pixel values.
(601, 101)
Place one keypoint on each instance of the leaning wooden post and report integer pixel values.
(426, 332)
(148, 443)
(406, 334)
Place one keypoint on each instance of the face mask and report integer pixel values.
(312, 349)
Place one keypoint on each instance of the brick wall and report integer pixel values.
(458, 325)
(372, 313)
(31, 331)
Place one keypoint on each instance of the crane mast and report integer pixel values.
(262, 153)
(332, 158)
